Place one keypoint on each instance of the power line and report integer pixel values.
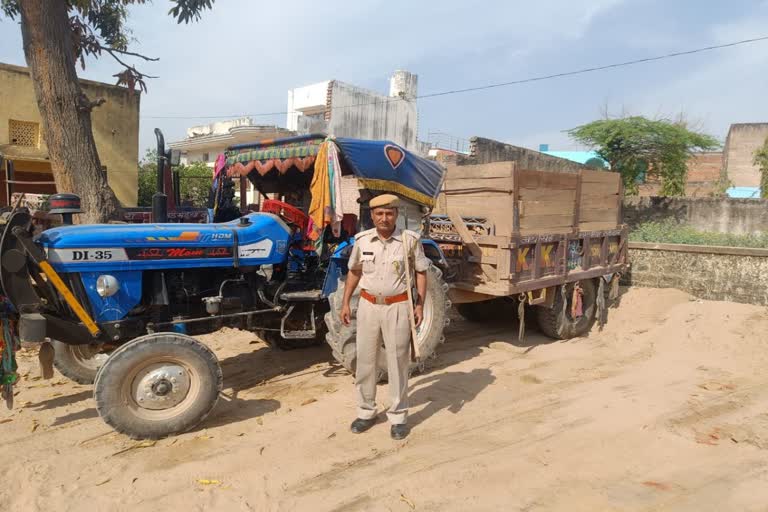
(501, 84)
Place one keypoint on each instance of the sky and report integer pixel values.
(244, 55)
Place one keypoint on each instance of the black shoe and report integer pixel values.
(360, 425)
(399, 432)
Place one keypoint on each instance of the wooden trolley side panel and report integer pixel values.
(547, 228)
(600, 200)
(546, 201)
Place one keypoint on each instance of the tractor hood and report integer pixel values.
(256, 239)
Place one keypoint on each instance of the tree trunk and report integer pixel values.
(65, 114)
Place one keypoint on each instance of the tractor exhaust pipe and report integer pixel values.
(159, 199)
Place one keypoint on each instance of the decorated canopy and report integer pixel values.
(378, 165)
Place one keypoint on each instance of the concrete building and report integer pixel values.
(343, 110)
(331, 107)
(23, 152)
(740, 145)
(204, 142)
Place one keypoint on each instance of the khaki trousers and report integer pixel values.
(390, 322)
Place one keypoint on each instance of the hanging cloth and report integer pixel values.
(326, 206)
(320, 206)
(334, 171)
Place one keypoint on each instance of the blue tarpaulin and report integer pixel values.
(743, 192)
(379, 165)
(385, 166)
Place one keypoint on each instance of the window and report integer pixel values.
(24, 133)
(205, 157)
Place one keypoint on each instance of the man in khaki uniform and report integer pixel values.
(377, 263)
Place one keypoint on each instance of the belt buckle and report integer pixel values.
(380, 300)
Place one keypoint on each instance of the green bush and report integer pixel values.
(670, 232)
(195, 180)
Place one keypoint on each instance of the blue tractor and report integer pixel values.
(120, 302)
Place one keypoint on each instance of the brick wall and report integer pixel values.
(740, 145)
(705, 167)
(712, 273)
(704, 172)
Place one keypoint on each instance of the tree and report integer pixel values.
(147, 178)
(195, 181)
(637, 145)
(761, 161)
(56, 35)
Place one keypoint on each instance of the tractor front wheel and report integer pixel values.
(158, 385)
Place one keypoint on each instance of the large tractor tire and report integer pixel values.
(485, 311)
(79, 363)
(158, 385)
(557, 322)
(429, 334)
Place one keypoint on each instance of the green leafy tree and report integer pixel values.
(195, 181)
(147, 178)
(636, 145)
(761, 161)
(57, 34)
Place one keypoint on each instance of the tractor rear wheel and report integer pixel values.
(342, 338)
(158, 385)
(557, 322)
(79, 363)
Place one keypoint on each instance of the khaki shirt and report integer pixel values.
(382, 261)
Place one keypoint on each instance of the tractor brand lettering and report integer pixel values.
(218, 252)
(221, 236)
(251, 252)
(260, 249)
(160, 253)
(184, 236)
(148, 254)
(86, 255)
(183, 252)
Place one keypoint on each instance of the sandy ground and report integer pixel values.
(663, 410)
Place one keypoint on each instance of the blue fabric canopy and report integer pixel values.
(384, 166)
(379, 165)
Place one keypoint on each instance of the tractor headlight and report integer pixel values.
(107, 285)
